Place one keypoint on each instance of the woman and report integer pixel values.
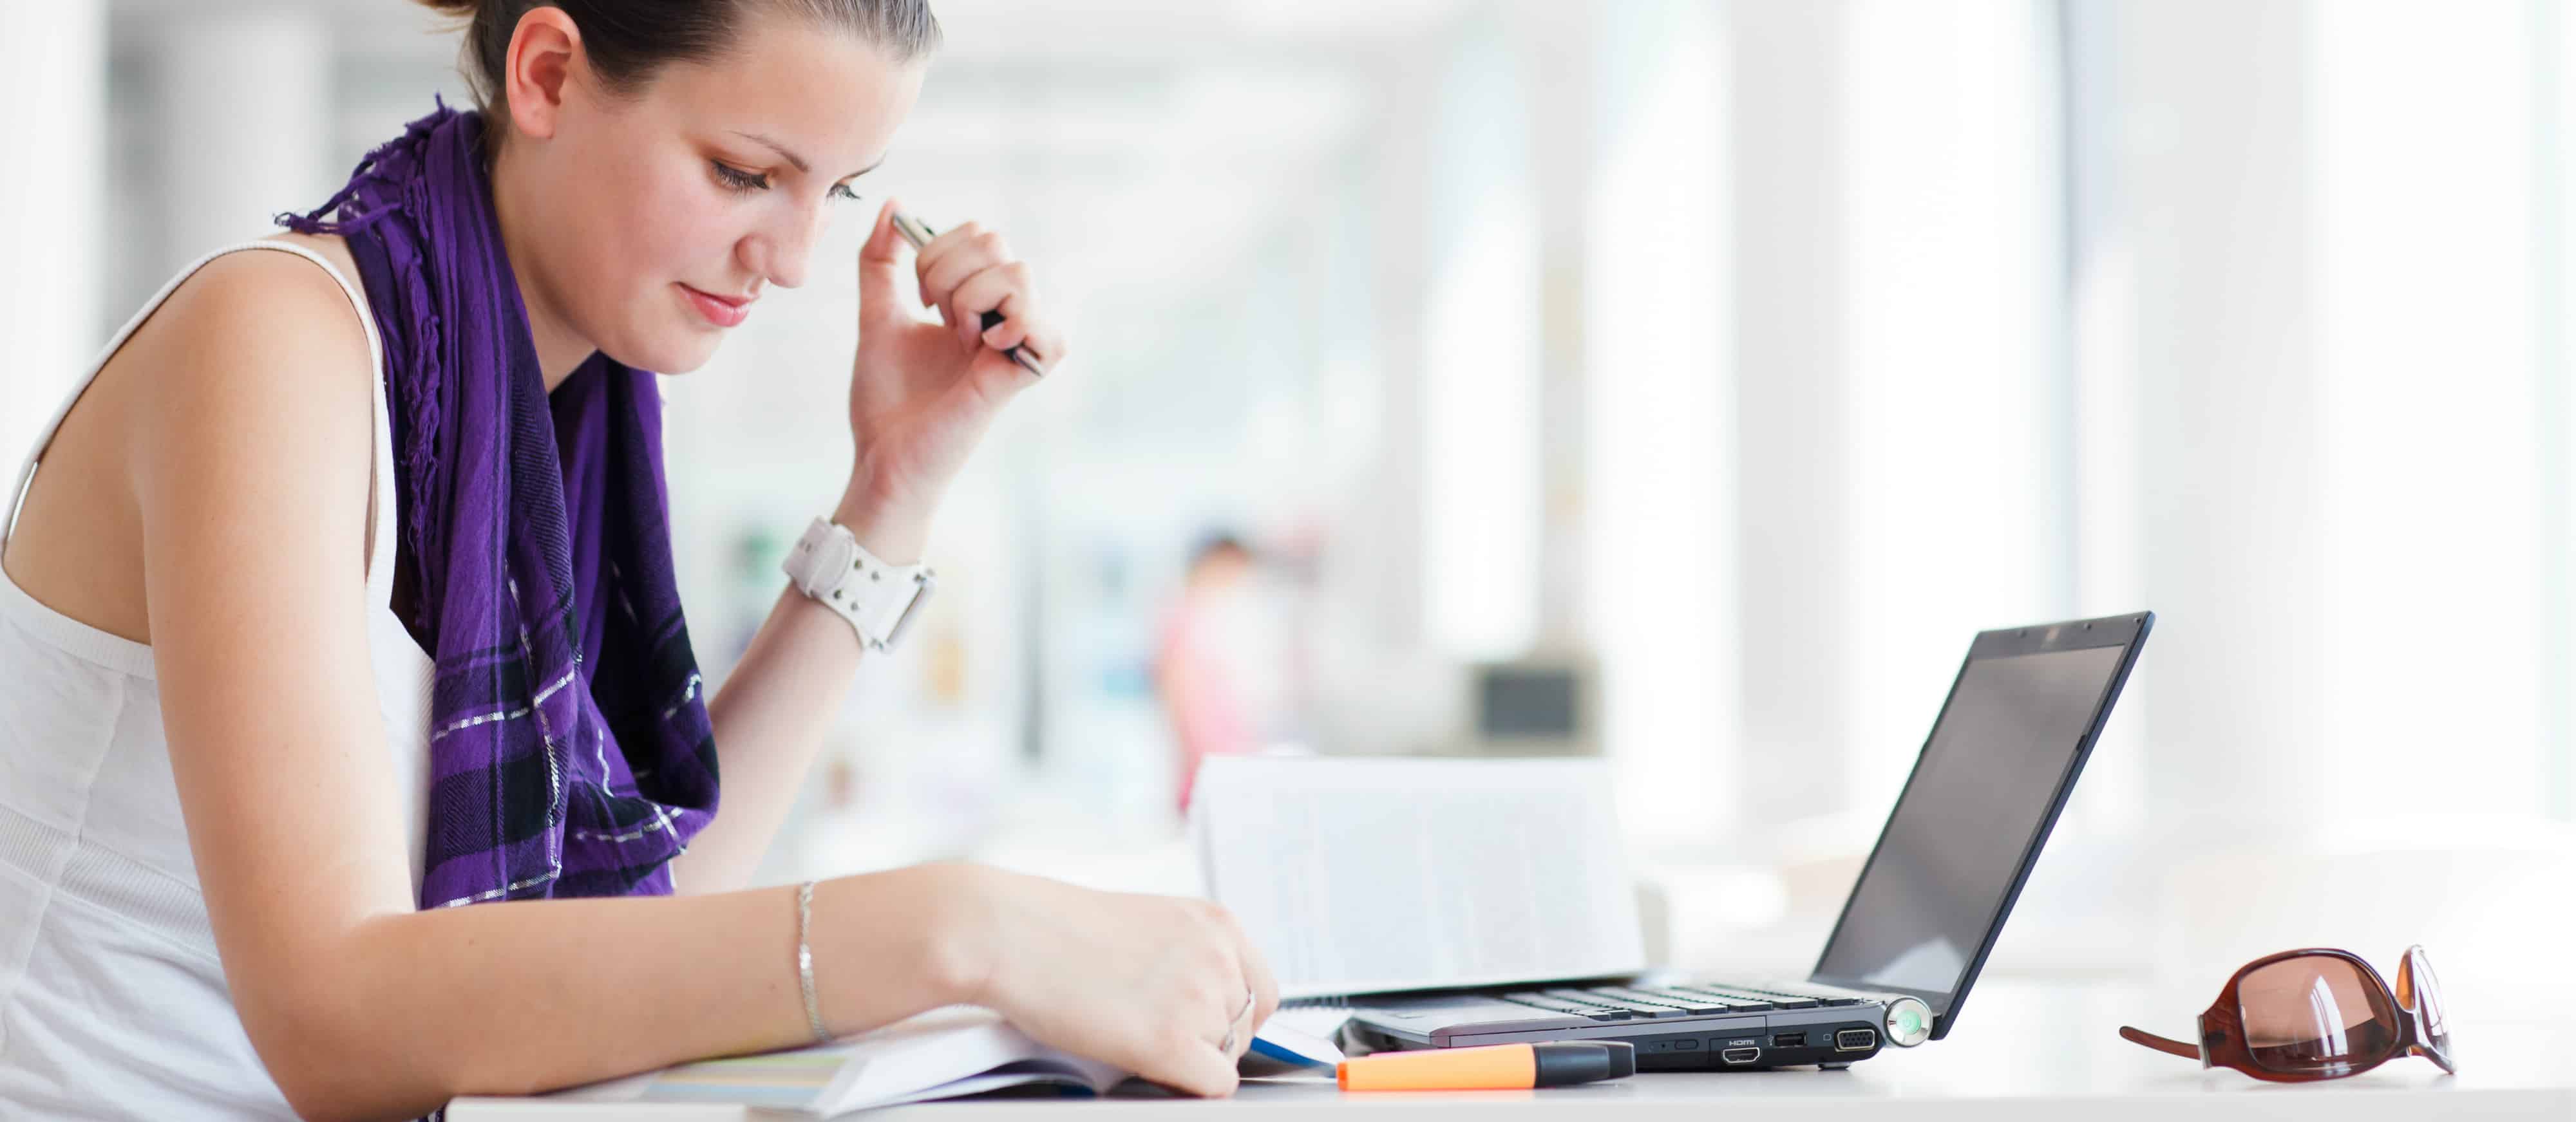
(1200, 662)
(340, 650)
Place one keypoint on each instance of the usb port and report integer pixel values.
(1740, 1055)
(1855, 1040)
(1789, 1040)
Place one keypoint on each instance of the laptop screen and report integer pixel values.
(2005, 751)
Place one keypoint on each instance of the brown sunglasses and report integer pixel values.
(2315, 1014)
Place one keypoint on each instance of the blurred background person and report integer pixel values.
(1208, 659)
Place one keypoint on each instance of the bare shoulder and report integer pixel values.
(252, 401)
(256, 351)
(332, 247)
(258, 305)
(268, 305)
(254, 368)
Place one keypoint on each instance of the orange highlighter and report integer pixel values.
(1493, 1067)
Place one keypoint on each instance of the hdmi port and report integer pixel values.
(1740, 1055)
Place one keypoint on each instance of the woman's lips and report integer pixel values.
(722, 311)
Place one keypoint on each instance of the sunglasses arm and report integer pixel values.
(2159, 1043)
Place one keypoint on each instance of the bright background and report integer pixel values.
(1755, 352)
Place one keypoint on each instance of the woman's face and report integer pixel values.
(661, 216)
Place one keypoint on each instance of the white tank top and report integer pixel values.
(112, 1000)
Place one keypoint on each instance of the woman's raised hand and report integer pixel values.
(922, 393)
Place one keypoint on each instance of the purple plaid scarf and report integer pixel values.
(570, 750)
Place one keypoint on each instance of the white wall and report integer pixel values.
(1764, 348)
(53, 79)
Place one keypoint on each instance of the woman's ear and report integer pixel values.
(544, 49)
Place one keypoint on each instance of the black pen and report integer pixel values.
(919, 234)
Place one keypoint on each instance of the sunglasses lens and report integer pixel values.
(2420, 991)
(2314, 1015)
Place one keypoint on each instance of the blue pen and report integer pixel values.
(919, 234)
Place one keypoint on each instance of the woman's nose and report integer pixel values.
(780, 252)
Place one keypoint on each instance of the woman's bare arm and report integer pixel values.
(250, 458)
(772, 712)
(921, 397)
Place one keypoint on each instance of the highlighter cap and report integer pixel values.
(1570, 1062)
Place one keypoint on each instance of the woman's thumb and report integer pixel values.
(1197, 1068)
(880, 267)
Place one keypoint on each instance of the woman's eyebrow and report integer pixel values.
(793, 158)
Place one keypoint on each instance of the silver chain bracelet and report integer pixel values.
(805, 963)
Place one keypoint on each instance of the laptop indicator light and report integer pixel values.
(1909, 1022)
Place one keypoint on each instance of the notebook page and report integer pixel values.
(906, 1061)
(1368, 875)
(942, 1053)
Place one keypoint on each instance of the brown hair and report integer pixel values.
(627, 40)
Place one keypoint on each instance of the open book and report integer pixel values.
(941, 1054)
(1373, 875)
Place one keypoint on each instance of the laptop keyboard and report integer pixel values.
(1625, 1003)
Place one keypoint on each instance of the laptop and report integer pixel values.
(2021, 718)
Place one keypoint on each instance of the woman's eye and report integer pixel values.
(737, 179)
(842, 192)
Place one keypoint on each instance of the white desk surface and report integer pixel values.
(2023, 1050)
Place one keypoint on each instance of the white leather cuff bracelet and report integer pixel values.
(878, 599)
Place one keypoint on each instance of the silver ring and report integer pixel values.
(1227, 1045)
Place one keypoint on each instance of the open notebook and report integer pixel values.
(942, 1054)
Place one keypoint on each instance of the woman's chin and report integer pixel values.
(669, 355)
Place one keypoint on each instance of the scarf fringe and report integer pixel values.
(423, 390)
(367, 173)
(423, 394)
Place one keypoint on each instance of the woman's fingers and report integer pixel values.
(1265, 988)
(1229, 978)
(1192, 1065)
(1185, 1048)
(1001, 288)
(1173, 1058)
(953, 237)
(1153, 984)
(954, 256)
(967, 272)
(1247, 1019)
(1260, 988)
(879, 265)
